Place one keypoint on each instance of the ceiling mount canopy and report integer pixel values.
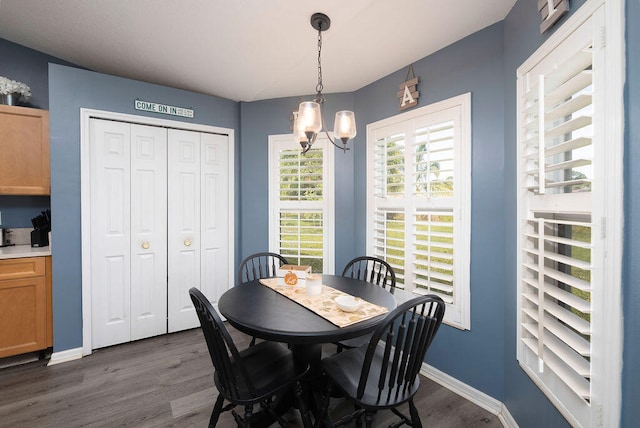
(320, 21)
(309, 121)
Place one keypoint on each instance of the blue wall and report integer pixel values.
(30, 67)
(17, 211)
(71, 89)
(631, 260)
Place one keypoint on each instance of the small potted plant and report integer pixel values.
(10, 91)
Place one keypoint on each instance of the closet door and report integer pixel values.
(215, 216)
(110, 232)
(128, 232)
(148, 231)
(184, 185)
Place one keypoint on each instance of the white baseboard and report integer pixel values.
(65, 356)
(479, 398)
(506, 418)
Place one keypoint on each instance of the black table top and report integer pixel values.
(262, 312)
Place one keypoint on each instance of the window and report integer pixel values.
(567, 221)
(418, 200)
(301, 192)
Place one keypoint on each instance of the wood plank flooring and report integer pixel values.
(166, 381)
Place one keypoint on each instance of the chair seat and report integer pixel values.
(356, 342)
(344, 369)
(271, 368)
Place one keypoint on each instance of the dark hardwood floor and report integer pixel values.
(166, 382)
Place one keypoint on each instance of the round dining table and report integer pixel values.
(262, 312)
(259, 311)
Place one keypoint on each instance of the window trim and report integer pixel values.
(459, 315)
(607, 213)
(276, 143)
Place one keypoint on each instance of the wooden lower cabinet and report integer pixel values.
(25, 305)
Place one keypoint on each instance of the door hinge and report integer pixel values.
(603, 37)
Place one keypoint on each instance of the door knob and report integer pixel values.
(187, 243)
(145, 245)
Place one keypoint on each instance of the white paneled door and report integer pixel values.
(128, 231)
(198, 218)
(159, 226)
(110, 232)
(148, 231)
(184, 233)
(214, 215)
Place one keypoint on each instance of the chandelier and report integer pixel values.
(309, 121)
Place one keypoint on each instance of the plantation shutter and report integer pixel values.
(433, 178)
(556, 107)
(434, 160)
(389, 189)
(415, 191)
(300, 177)
(390, 166)
(301, 209)
(301, 225)
(389, 240)
(433, 253)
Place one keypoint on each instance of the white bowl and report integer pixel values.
(348, 303)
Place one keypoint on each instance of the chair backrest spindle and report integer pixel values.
(405, 336)
(373, 270)
(259, 265)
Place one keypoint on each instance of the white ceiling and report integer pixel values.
(244, 50)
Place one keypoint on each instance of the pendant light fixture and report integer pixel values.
(309, 120)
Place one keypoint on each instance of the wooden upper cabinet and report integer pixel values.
(24, 151)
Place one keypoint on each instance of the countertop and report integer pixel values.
(19, 251)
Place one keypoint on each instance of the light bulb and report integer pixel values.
(309, 119)
(344, 126)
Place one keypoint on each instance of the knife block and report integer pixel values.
(39, 238)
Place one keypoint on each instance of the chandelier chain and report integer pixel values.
(319, 86)
(310, 120)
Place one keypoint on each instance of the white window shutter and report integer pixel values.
(301, 224)
(562, 195)
(433, 254)
(418, 175)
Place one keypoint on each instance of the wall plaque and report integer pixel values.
(408, 93)
(163, 108)
(551, 11)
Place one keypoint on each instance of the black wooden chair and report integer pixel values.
(375, 271)
(384, 373)
(259, 265)
(260, 375)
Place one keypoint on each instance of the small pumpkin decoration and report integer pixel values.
(290, 278)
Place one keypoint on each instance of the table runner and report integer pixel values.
(324, 304)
